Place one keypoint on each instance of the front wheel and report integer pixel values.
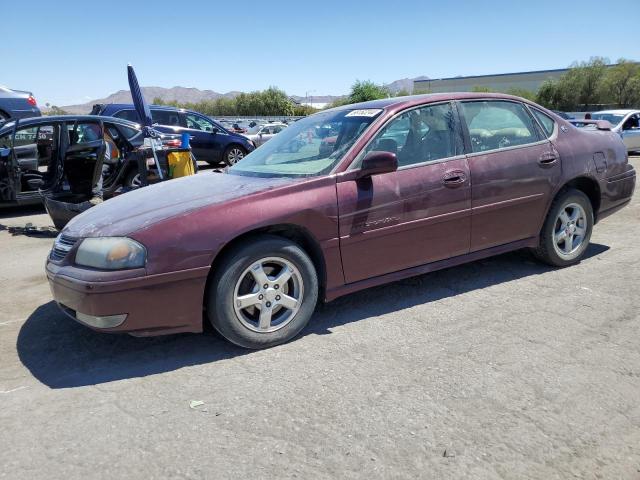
(263, 293)
(233, 154)
(567, 230)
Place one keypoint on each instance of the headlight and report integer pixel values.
(111, 253)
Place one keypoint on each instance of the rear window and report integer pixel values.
(545, 120)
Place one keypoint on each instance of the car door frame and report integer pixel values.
(387, 226)
(555, 167)
(634, 144)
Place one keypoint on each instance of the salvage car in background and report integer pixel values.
(266, 132)
(626, 123)
(37, 154)
(210, 141)
(17, 104)
(411, 185)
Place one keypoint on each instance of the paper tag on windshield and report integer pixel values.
(368, 112)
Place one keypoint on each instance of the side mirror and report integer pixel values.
(214, 130)
(377, 162)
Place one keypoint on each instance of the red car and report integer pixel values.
(411, 185)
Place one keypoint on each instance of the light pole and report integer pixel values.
(307, 96)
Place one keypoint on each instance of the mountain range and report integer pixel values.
(194, 95)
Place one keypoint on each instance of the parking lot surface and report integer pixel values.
(502, 368)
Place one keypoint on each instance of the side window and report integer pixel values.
(498, 124)
(80, 133)
(130, 115)
(166, 117)
(196, 122)
(545, 120)
(420, 135)
(5, 140)
(33, 146)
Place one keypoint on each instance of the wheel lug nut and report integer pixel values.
(276, 287)
(268, 304)
(260, 297)
(277, 297)
(265, 286)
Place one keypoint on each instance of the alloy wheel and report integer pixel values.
(570, 230)
(234, 156)
(268, 294)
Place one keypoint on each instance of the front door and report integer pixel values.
(84, 156)
(514, 170)
(631, 132)
(28, 158)
(207, 139)
(416, 215)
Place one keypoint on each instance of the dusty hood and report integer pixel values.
(140, 208)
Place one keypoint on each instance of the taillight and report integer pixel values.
(173, 143)
(32, 101)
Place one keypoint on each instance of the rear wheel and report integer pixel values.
(133, 179)
(263, 293)
(233, 154)
(567, 229)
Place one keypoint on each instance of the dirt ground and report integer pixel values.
(502, 368)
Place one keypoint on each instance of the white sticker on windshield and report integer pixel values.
(368, 112)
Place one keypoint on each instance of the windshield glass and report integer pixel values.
(612, 118)
(311, 146)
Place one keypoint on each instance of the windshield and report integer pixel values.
(310, 147)
(612, 118)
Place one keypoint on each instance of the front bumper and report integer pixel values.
(141, 304)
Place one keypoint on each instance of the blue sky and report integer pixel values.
(70, 52)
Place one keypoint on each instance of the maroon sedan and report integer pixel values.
(410, 185)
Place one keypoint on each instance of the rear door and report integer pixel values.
(514, 170)
(415, 215)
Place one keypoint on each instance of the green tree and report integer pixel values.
(363, 91)
(481, 89)
(621, 84)
(523, 92)
(585, 79)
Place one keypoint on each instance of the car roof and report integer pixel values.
(397, 103)
(122, 106)
(621, 111)
(66, 118)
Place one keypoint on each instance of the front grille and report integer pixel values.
(62, 246)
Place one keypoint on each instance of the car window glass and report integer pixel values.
(5, 140)
(498, 124)
(84, 132)
(130, 115)
(420, 135)
(166, 117)
(545, 120)
(33, 146)
(199, 123)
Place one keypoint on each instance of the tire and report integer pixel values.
(132, 179)
(554, 249)
(233, 154)
(235, 278)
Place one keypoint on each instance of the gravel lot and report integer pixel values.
(502, 368)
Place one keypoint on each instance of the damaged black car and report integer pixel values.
(57, 159)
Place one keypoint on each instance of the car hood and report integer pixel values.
(141, 208)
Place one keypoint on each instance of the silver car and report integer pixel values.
(626, 123)
(265, 132)
(17, 104)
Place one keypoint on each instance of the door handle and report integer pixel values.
(547, 159)
(454, 178)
